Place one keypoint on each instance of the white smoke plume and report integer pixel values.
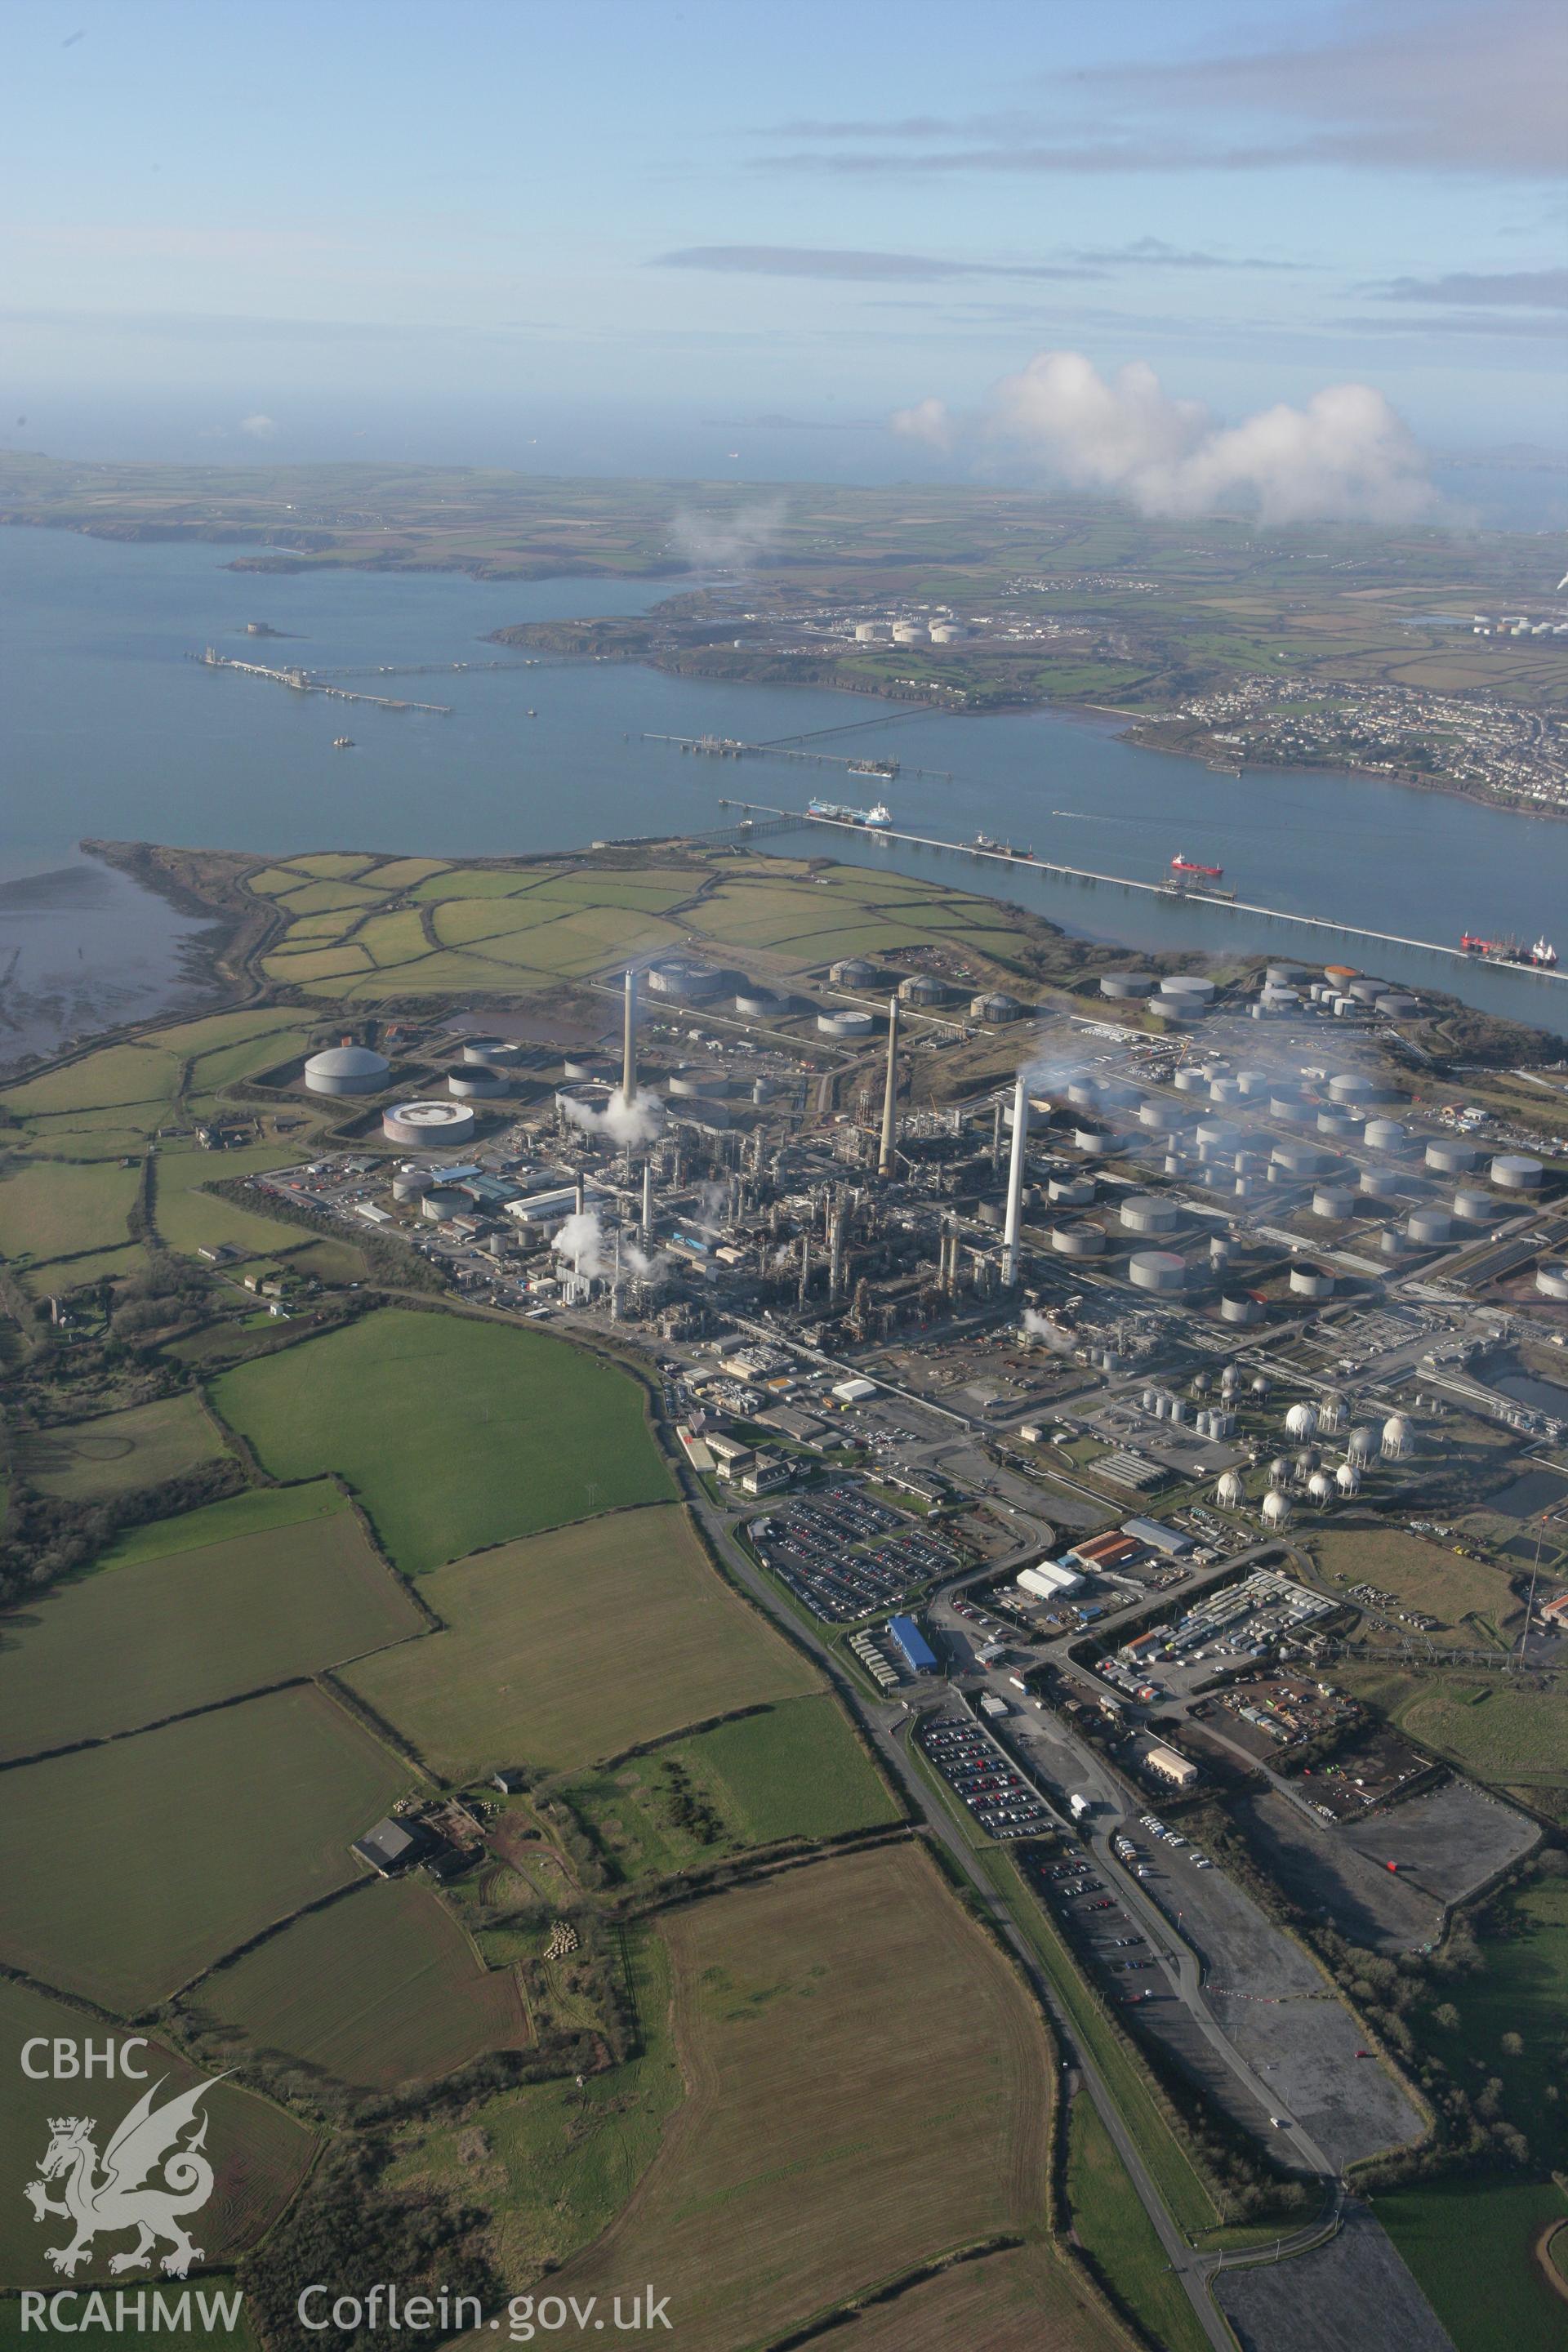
(581, 1243)
(1346, 455)
(627, 1125)
(731, 540)
(1035, 1326)
(712, 1201)
(637, 1260)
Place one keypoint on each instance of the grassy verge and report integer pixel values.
(1117, 2234)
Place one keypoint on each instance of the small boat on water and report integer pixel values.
(342, 743)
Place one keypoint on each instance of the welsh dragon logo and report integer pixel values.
(147, 2182)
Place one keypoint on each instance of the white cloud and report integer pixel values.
(259, 427)
(1346, 455)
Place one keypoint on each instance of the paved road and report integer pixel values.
(887, 1728)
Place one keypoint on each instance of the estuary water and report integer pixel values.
(111, 730)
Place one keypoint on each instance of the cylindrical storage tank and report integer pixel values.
(1120, 1094)
(852, 972)
(1551, 1282)
(1393, 1006)
(1083, 1094)
(1070, 1191)
(1158, 1116)
(1097, 1142)
(1343, 1125)
(1474, 1207)
(1311, 1282)
(1238, 1307)
(758, 1003)
(1159, 1270)
(580, 1066)
(1284, 1100)
(1280, 1000)
(1218, 1134)
(1379, 1183)
(1425, 1228)
(1245, 1187)
(1224, 1090)
(1334, 1201)
(1191, 1082)
(1276, 1508)
(1367, 992)
(1077, 1241)
(423, 1124)
(411, 1183)
(1451, 1159)
(472, 1081)
(1253, 1082)
(1150, 1213)
(1183, 1008)
(870, 633)
(761, 1090)
(1301, 1159)
(1302, 1421)
(1342, 1006)
(844, 1024)
(1391, 1242)
(1284, 975)
(1383, 1135)
(347, 1070)
(1188, 983)
(1353, 1087)
(1122, 986)
(1222, 1251)
(688, 1085)
(911, 632)
(495, 1053)
(1171, 1166)
(1515, 1171)
(1347, 1478)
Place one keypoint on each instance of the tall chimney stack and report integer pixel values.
(890, 1094)
(629, 1042)
(836, 1247)
(648, 1204)
(804, 1267)
(1015, 1186)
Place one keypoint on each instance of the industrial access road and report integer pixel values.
(883, 1726)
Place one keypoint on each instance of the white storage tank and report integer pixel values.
(1159, 1270)
(1276, 1508)
(1189, 984)
(1311, 1281)
(1474, 1207)
(1097, 1142)
(1125, 986)
(1078, 1241)
(1427, 1228)
(1224, 1090)
(1230, 1494)
(1321, 1488)
(1253, 1082)
(1379, 1183)
(1383, 1135)
(1239, 1307)
(844, 1024)
(1334, 1201)
(411, 1182)
(1361, 1446)
(347, 1070)
(423, 1124)
(1347, 1478)
(1398, 1438)
(1552, 1281)
(1191, 1082)
(1302, 1422)
(1150, 1213)
(1451, 1159)
(1070, 1191)
(1301, 1159)
(1515, 1171)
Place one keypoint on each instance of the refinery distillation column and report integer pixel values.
(891, 1095)
(629, 1045)
(1015, 1186)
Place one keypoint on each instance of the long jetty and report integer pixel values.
(729, 747)
(1027, 862)
(304, 681)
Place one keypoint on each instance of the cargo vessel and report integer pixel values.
(1204, 873)
(1541, 957)
(878, 813)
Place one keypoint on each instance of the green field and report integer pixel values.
(575, 1646)
(1114, 2229)
(379, 1988)
(108, 1653)
(1471, 1602)
(1521, 1991)
(53, 1208)
(794, 1771)
(554, 2164)
(868, 2087)
(132, 1866)
(1470, 2244)
(252, 1513)
(115, 1074)
(1481, 1723)
(258, 2153)
(454, 1433)
(118, 1452)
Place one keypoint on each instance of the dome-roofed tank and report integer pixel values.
(1230, 1494)
(347, 1070)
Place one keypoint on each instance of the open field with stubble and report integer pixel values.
(454, 1433)
(904, 2076)
(130, 1867)
(576, 1646)
(379, 1988)
(122, 1647)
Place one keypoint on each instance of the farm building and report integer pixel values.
(388, 1848)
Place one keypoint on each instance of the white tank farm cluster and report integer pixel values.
(1305, 1474)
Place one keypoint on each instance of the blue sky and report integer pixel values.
(729, 237)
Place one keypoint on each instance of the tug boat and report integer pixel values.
(1541, 957)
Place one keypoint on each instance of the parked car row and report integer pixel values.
(976, 1768)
